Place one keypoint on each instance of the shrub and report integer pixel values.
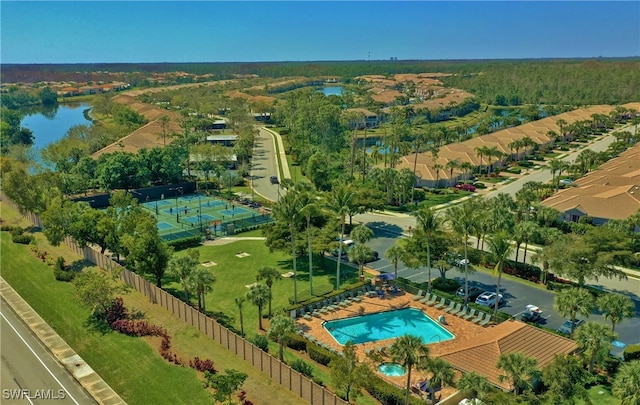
(631, 352)
(64, 275)
(17, 231)
(611, 365)
(296, 342)
(261, 342)
(59, 263)
(514, 170)
(302, 367)
(319, 354)
(7, 227)
(202, 365)
(116, 311)
(22, 239)
(449, 285)
(525, 163)
(185, 243)
(479, 185)
(388, 394)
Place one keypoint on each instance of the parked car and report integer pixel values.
(532, 314)
(565, 328)
(346, 245)
(488, 299)
(465, 187)
(474, 292)
(566, 182)
(273, 179)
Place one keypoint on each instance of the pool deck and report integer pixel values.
(463, 330)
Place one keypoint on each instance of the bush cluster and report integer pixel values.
(185, 243)
(631, 352)
(388, 394)
(261, 342)
(319, 355)
(296, 342)
(302, 367)
(18, 236)
(61, 272)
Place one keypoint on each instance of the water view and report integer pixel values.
(332, 90)
(49, 126)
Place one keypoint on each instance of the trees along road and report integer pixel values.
(388, 227)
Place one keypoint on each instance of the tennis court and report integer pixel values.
(202, 215)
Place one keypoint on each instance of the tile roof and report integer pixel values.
(481, 353)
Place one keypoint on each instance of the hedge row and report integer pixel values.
(631, 352)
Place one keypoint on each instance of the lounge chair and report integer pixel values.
(305, 315)
(441, 303)
(456, 308)
(344, 301)
(331, 306)
(485, 321)
(322, 309)
(471, 314)
(417, 296)
(380, 293)
(355, 298)
(479, 318)
(452, 305)
(427, 297)
(432, 300)
(461, 312)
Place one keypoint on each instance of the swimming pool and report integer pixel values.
(387, 325)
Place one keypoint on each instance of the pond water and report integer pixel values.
(332, 90)
(50, 125)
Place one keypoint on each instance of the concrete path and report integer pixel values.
(81, 371)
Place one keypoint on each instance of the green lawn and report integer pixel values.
(132, 367)
(233, 274)
(432, 200)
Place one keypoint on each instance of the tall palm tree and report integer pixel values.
(339, 202)
(269, 275)
(240, 303)
(202, 279)
(259, 295)
(164, 123)
(409, 351)
(615, 307)
(452, 165)
(519, 370)
(443, 375)
(281, 326)
(310, 206)
(501, 248)
(571, 301)
(594, 339)
(394, 254)
(287, 210)
(481, 151)
(626, 383)
(556, 166)
(430, 223)
(467, 169)
(463, 220)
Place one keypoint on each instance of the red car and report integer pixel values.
(466, 187)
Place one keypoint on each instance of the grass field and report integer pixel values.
(132, 366)
(234, 274)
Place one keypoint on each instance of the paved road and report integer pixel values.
(29, 372)
(264, 166)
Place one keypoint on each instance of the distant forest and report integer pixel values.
(502, 82)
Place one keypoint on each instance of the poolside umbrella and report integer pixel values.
(386, 276)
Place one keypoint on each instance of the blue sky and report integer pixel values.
(203, 31)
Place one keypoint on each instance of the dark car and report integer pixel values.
(273, 179)
(474, 292)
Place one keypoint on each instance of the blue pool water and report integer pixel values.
(392, 369)
(387, 325)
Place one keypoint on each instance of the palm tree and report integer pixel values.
(310, 207)
(394, 254)
(566, 378)
(202, 278)
(361, 254)
(430, 223)
(339, 201)
(348, 373)
(481, 151)
(443, 375)
(409, 351)
(259, 295)
(463, 221)
(452, 165)
(519, 370)
(523, 232)
(164, 123)
(615, 307)
(281, 326)
(594, 339)
(473, 385)
(571, 301)
(287, 210)
(269, 275)
(556, 166)
(240, 303)
(467, 169)
(501, 248)
(437, 167)
(626, 383)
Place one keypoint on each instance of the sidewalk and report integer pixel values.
(85, 375)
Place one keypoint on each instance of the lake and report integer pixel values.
(50, 125)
